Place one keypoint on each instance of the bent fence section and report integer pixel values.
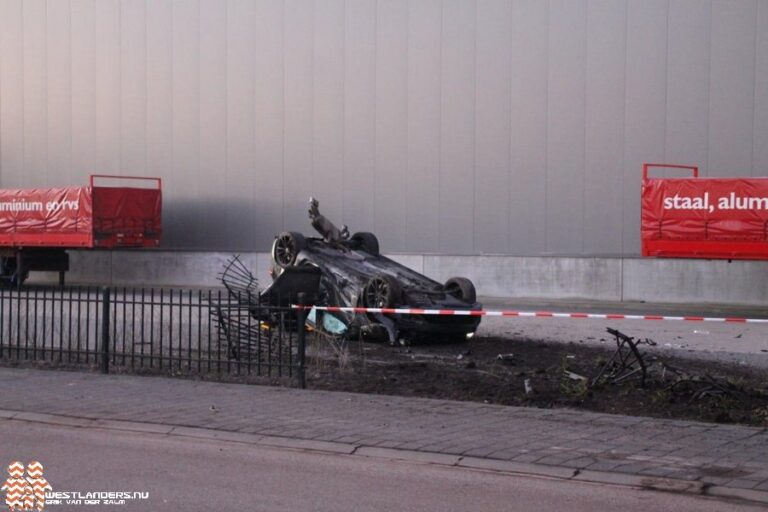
(150, 330)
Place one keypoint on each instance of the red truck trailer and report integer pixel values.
(38, 226)
(714, 218)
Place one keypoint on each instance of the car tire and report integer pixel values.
(286, 248)
(461, 288)
(367, 242)
(382, 291)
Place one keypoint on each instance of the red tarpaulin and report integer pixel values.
(704, 217)
(46, 217)
(126, 216)
(81, 216)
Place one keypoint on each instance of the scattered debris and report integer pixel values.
(574, 376)
(717, 391)
(506, 358)
(700, 386)
(626, 362)
(528, 386)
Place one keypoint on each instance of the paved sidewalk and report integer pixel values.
(713, 456)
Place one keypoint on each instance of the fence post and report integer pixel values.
(105, 330)
(301, 319)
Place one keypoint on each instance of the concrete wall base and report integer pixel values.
(608, 279)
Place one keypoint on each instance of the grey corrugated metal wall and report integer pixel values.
(454, 126)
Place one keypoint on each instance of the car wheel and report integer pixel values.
(367, 242)
(286, 248)
(382, 291)
(461, 288)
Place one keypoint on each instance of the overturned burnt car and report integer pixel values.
(355, 274)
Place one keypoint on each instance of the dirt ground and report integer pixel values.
(525, 372)
(520, 371)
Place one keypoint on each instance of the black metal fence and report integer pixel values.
(177, 331)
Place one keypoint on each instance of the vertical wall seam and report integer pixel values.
(709, 89)
(120, 139)
(226, 105)
(94, 60)
(404, 182)
(404, 188)
(374, 168)
(754, 88)
(146, 90)
(283, 108)
(45, 91)
(622, 250)
(199, 231)
(546, 129)
(508, 174)
(171, 102)
(344, 106)
(440, 125)
(666, 84)
(23, 96)
(71, 127)
(312, 95)
(1, 100)
(584, 136)
(474, 134)
(69, 96)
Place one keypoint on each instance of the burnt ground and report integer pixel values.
(691, 389)
(559, 374)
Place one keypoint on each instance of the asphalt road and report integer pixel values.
(201, 475)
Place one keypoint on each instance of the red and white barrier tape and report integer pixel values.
(539, 314)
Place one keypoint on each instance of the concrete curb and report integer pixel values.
(476, 463)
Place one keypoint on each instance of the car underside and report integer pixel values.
(355, 274)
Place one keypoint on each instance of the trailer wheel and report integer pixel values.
(5, 267)
(18, 279)
(461, 288)
(382, 291)
(367, 242)
(286, 248)
(9, 272)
